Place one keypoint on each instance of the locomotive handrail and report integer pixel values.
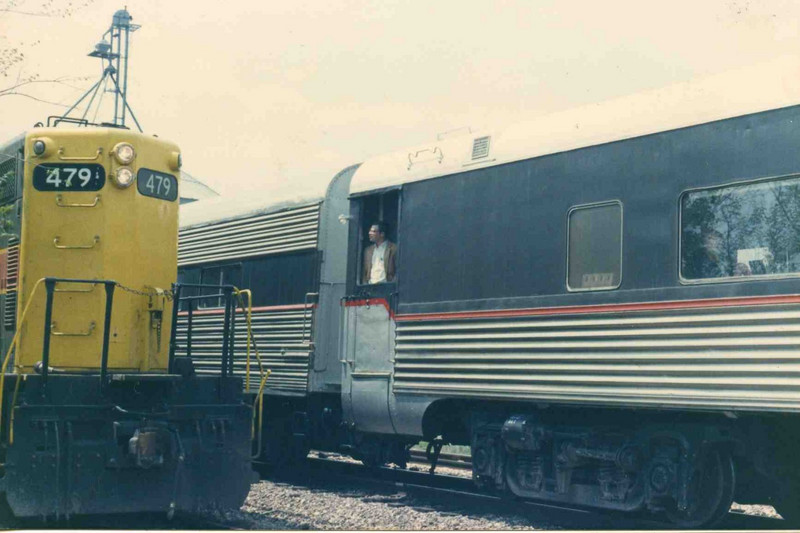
(249, 322)
(259, 400)
(50, 285)
(57, 239)
(63, 157)
(70, 120)
(60, 202)
(55, 333)
(226, 366)
(90, 289)
(306, 298)
(20, 379)
(250, 337)
(13, 345)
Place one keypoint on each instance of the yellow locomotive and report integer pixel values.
(98, 416)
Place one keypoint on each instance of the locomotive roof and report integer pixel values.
(744, 91)
(229, 207)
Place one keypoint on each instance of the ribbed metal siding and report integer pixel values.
(280, 338)
(723, 358)
(285, 231)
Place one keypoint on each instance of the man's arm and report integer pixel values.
(391, 262)
(367, 266)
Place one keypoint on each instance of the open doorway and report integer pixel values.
(382, 208)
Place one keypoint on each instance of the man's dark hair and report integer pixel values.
(383, 227)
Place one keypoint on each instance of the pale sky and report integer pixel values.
(264, 94)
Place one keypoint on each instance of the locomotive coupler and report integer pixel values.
(149, 445)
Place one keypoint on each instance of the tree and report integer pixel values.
(12, 54)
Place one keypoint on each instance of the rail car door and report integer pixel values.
(368, 357)
(368, 343)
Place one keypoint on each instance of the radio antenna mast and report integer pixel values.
(113, 50)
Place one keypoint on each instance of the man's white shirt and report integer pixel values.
(377, 273)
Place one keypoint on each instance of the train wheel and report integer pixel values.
(710, 493)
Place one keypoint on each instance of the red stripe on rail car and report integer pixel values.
(370, 301)
(606, 308)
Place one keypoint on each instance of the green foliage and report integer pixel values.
(7, 214)
(7, 222)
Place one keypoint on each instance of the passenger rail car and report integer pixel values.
(96, 417)
(608, 318)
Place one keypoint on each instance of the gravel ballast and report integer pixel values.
(342, 505)
(279, 506)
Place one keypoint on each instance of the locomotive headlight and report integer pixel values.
(175, 160)
(42, 146)
(123, 178)
(124, 153)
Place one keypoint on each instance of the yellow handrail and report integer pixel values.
(14, 346)
(249, 315)
(20, 379)
(260, 401)
(249, 318)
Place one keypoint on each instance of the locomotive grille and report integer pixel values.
(724, 358)
(290, 230)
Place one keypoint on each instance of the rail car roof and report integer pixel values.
(270, 200)
(744, 91)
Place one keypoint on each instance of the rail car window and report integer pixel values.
(219, 275)
(381, 210)
(594, 247)
(188, 275)
(741, 231)
(282, 279)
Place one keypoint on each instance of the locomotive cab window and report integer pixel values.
(594, 247)
(742, 231)
(378, 238)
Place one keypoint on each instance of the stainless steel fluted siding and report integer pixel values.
(285, 231)
(279, 336)
(721, 358)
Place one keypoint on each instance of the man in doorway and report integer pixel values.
(379, 257)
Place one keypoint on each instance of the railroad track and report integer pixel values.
(453, 494)
(445, 459)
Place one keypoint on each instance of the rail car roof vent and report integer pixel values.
(480, 147)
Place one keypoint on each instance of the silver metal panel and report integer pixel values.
(367, 372)
(289, 230)
(327, 374)
(281, 334)
(720, 358)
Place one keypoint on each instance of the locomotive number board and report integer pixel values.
(157, 184)
(69, 177)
